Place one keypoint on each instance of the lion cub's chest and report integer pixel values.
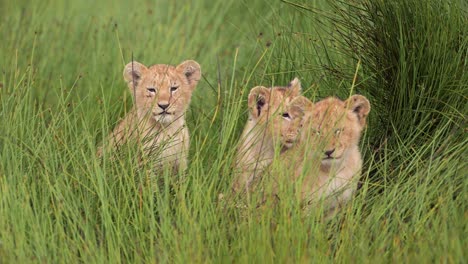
(168, 145)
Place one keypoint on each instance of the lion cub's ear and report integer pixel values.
(259, 98)
(360, 106)
(133, 72)
(192, 71)
(295, 87)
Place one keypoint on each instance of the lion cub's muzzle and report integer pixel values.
(329, 154)
(289, 143)
(163, 106)
(162, 110)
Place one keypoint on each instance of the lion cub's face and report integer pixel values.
(336, 126)
(286, 129)
(161, 91)
(270, 108)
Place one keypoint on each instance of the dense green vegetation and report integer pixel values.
(62, 91)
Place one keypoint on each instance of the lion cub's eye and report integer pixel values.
(286, 115)
(338, 131)
(151, 90)
(317, 132)
(174, 88)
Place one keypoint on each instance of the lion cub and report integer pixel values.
(260, 136)
(327, 159)
(288, 132)
(162, 94)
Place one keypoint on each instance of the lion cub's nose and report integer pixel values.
(329, 152)
(163, 106)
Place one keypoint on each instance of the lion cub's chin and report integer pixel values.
(329, 162)
(164, 119)
(288, 144)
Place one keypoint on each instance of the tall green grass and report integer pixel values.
(62, 92)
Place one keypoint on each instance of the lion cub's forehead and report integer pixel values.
(162, 74)
(329, 112)
(283, 92)
(281, 96)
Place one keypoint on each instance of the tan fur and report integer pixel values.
(300, 110)
(286, 130)
(327, 160)
(162, 132)
(258, 141)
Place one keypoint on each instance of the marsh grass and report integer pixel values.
(62, 93)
